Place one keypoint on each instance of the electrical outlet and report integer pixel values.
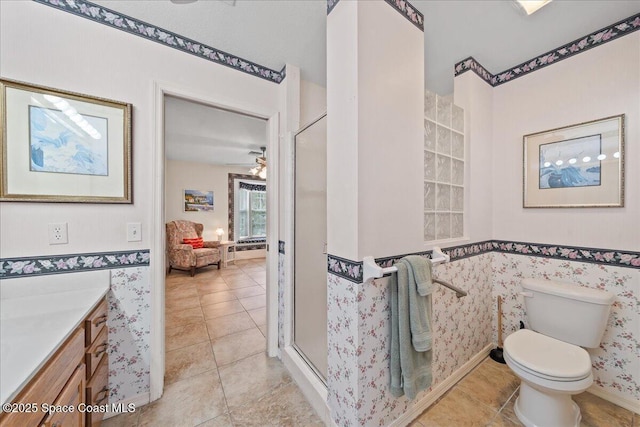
(134, 233)
(58, 234)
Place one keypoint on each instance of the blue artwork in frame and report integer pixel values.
(65, 141)
(571, 163)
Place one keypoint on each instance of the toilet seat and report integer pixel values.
(547, 358)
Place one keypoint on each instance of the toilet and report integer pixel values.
(549, 358)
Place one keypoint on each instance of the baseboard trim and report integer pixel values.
(440, 389)
(313, 389)
(623, 402)
(136, 402)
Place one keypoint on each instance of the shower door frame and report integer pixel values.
(304, 373)
(293, 255)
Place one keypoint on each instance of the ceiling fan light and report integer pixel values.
(263, 173)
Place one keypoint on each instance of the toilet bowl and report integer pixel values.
(550, 372)
(549, 358)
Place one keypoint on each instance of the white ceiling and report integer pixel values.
(275, 32)
(204, 134)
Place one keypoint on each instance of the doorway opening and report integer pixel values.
(247, 271)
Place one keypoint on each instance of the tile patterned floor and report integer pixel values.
(485, 397)
(217, 373)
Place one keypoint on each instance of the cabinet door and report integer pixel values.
(98, 391)
(71, 396)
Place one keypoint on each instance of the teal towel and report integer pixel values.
(419, 306)
(422, 273)
(410, 369)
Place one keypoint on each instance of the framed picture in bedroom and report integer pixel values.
(59, 146)
(198, 201)
(575, 166)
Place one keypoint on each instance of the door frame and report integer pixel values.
(158, 232)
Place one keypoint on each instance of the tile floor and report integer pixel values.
(218, 375)
(485, 397)
(216, 370)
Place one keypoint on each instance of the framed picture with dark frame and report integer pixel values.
(575, 166)
(59, 146)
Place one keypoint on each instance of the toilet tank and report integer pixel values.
(570, 313)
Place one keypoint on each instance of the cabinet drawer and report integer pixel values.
(98, 391)
(95, 322)
(47, 384)
(71, 396)
(97, 350)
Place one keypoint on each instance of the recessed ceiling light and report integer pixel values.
(531, 6)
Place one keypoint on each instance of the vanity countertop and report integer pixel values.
(37, 315)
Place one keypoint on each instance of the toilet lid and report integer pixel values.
(547, 357)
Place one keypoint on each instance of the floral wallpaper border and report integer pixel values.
(71, 263)
(331, 4)
(405, 8)
(618, 258)
(409, 11)
(136, 27)
(597, 38)
(281, 247)
(352, 270)
(345, 268)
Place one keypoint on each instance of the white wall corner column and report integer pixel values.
(476, 97)
(375, 104)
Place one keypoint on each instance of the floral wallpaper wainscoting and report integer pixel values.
(129, 324)
(281, 284)
(456, 338)
(342, 333)
(359, 342)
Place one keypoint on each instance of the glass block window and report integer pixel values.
(443, 168)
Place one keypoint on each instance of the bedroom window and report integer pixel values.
(252, 211)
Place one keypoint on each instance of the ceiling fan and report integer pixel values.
(261, 168)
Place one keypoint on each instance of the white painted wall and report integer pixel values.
(35, 47)
(476, 97)
(598, 83)
(199, 176)
(390, 133)
(342, 135)
(375, 82)
(313, 101)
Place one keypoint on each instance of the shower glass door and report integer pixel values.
(310, 251)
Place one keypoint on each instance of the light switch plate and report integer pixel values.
(134, 232)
